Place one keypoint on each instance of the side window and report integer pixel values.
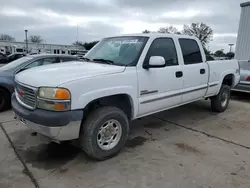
(35, 64)
(164, 47)
(48, 61)
(41, 62)
(190, 51)
(65, 59)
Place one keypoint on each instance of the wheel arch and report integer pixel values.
(228, 79)
(123, 101)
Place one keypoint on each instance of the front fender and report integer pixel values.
(85, 98)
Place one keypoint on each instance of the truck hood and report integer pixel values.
(57, 74)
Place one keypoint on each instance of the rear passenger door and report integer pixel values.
(195, 70)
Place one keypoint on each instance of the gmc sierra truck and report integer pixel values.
(121, 79)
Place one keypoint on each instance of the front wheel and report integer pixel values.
(104, 133)
(219, 103)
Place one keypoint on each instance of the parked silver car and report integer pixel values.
(8, 71)
(244, 84)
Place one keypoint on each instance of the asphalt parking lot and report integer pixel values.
(186, 147)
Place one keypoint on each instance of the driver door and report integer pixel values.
(160, 88)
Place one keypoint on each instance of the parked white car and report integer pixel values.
(123, 78)
(244, 84)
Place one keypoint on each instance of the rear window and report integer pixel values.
(190, 51)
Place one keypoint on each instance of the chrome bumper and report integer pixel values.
(58, 126)
(62, 133)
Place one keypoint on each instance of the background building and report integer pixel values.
(242, 51)
(8, 47)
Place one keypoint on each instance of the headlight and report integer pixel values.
(54, 93)
(55, 99)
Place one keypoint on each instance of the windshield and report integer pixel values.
(15, 64)
(119, 50)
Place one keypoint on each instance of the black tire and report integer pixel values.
(91, 126)
(219, 103)
(4, 100)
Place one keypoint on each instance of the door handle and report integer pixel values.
(202, 71)
(178, 74)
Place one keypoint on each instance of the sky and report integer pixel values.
(59, 21)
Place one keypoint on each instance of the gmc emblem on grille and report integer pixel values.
(20, 92)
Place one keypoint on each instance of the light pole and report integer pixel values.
(230, 47)
(77, 34)
(26, 40)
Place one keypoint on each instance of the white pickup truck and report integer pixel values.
(121, 79)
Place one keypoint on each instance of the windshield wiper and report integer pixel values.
(110, 62)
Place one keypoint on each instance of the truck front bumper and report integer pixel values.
(58, 126)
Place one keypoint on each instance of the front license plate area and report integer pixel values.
(23, 121)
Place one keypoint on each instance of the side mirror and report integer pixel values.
(156, 62)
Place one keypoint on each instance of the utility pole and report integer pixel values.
(77, 33)
(26, 40)
(230, 47)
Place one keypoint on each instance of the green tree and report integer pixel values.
(220, 53)
(90, 45)
(200, 30)
(78, 43)
(170, 29)
(146, 31)
(6, 37)
(207, 52)
(230, 55)
(86, 45)
(35, 39)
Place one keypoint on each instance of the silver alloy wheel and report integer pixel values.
(224, 98)
(109, 134)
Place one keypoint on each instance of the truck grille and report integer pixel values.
(26, 95)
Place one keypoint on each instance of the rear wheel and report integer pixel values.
(104, 133)
(219, 103)
(4, 99)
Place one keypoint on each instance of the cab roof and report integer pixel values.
(158, 35)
